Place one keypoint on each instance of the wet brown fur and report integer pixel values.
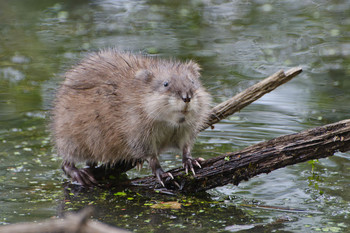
(114, 107)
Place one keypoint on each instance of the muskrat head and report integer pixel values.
(174, 93)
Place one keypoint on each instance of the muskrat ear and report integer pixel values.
(194, 68)
(144, 75)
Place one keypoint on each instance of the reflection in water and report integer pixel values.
(237, 43)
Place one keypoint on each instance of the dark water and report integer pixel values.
(237, 43)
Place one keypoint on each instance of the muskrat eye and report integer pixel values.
(166, 84)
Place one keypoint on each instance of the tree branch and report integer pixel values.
(249, 95)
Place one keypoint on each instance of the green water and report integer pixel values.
(237, 43)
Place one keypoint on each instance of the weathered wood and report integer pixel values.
(249, 95)
(73, 223)
(263, 157)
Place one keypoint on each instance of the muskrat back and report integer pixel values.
(117, 106)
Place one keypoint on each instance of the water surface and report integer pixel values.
(237, 43)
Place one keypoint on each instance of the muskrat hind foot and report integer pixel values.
(82, 176)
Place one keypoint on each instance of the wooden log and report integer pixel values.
(263, 157)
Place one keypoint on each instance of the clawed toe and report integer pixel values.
(164, 177)
(87, 177)
(82, 176)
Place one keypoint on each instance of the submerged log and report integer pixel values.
(72, 223)
(263, 157)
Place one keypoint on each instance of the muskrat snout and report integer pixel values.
(186, 97)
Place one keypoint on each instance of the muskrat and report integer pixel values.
(116, 106)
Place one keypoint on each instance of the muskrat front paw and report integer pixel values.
(189, 163)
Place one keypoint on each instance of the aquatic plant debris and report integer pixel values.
(167, 205)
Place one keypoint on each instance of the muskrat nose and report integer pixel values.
(186, 98)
